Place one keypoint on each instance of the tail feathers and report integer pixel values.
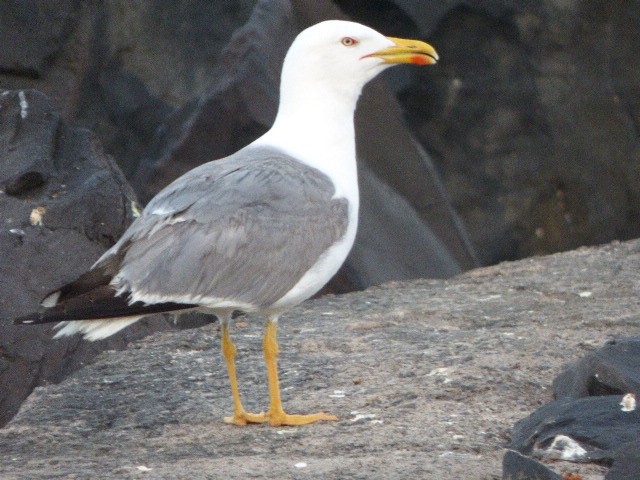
(93, 330)
(90, 306)
(100, 303)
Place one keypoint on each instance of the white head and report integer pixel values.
(338, 57)
(323, 74)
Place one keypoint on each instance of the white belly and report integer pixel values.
(324, 269)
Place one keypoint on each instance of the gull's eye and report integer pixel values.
(349, 42)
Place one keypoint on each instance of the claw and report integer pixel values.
(245, 418)
(279, 419)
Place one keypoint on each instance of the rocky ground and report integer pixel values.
(428, 378)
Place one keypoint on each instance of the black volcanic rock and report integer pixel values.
(593, 429)
(612, 369)
(32, 33)
(531, 118)
(626, 463)
(516, 466)
(62, 203)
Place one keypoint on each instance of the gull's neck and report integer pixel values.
(315, 125)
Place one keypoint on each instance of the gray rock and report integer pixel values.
(428, 377)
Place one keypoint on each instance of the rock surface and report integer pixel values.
(612, 369)
(590, 429)
(63, 202)
(516, 466)
(531, 117)
(626, 464)
(427, 376)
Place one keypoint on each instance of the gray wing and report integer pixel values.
(245, 229)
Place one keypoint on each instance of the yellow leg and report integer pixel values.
(240, 415)
(277, 416)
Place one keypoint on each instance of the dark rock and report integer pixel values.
(626, 463)
(427, 376)
(47, 46)
(532, 131)
(32, 33)
(516, 466)
(141, 75)
(62, 203)
(612, 369)
(584, 430)
(389, 217)
(240, 106)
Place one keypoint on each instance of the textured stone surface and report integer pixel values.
(437, 371)
(31, 34)
(595, 427)
(626, 463)
(532, 119)
(62, 203)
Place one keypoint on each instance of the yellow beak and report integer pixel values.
(408, 51)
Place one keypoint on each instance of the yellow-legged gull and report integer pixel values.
(258, 231)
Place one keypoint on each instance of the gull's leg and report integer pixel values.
(240, 415)
(277, 416)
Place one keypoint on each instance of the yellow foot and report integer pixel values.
(244, 418)
(277, 419)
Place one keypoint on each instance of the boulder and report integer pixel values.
(612, 369)
(589, 429)
(533, 132)
(516, 466)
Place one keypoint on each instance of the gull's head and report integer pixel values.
(344, 56)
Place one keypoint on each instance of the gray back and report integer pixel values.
(245, 228)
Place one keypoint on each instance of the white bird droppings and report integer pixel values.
(24, 106)
(628, 402)
(566, 448)
(37, 214)
(362, 416)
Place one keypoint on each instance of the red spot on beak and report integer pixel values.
(420, 60)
